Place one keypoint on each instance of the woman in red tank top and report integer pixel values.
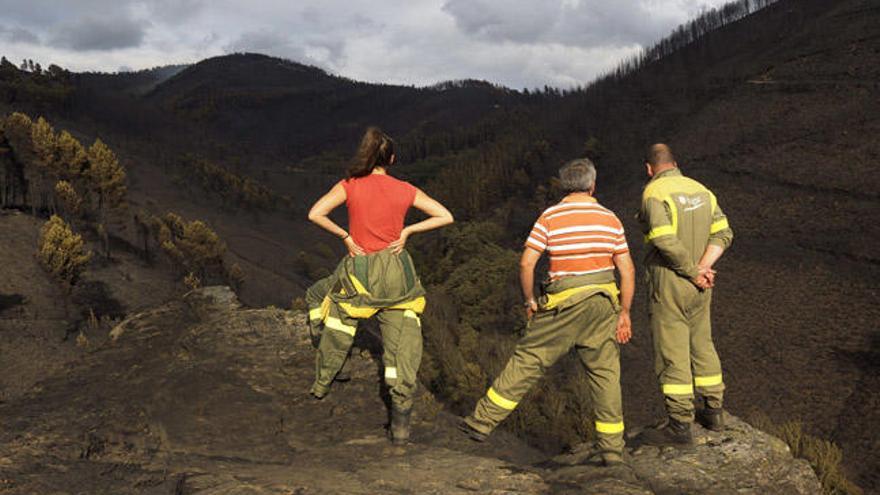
(386, 284)
(377, 203)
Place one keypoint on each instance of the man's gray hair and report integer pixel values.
(578, 176)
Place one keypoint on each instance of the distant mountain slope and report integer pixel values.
(295, 110)
(131, 82)
(247, 72)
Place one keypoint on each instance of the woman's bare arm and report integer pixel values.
(438, 216)
(320, 212)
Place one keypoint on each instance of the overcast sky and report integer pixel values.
(518, 43)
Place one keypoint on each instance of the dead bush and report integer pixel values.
(825, 457)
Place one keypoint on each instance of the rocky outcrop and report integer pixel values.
(739, 460)
(202, 396)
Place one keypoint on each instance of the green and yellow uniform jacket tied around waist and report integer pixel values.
(680, 218)
(576, 311)
(381, 284)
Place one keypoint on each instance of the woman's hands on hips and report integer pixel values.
(353, 248)
(398, 245)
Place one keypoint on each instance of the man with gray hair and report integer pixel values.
(581, 307)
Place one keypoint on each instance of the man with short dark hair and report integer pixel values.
(686, 233)
(580, 309)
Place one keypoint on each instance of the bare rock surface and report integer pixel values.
(741, 459)
(200, 396)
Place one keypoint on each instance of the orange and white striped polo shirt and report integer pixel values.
(580, 236)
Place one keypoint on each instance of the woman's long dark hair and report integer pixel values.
(375, 150)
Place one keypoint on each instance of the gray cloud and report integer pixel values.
(523, 22)
(174, 12)
(259, 41)
(568, 22)
(46, 13)
(270, 42)
(519, 43)
(18, 35)
(92, 33)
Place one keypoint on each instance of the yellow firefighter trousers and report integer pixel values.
(684, 354)
(589, 326)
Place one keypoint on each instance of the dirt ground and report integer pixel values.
(201, 396)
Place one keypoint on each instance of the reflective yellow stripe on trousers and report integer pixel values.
(336, 324)
(609, 428)
(708, 381)
(316, 313)
(678, 389)
(500, 401)
(412, 314)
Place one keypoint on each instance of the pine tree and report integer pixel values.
(72, 156)
(202, 248)
(175, 224)
(68, 198)
(62, 252)
(45, 144)
(55, 71)
(107, 177)
(17, 129)
(193, 248)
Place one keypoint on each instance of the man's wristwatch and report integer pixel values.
(528, 304)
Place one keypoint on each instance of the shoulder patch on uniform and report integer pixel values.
(665, 187)
(692, 203)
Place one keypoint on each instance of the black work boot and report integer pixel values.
(399, 426)
(587, 454)
(474, 434)
(611, 459)
(673, 433)
(712, 418)
(602, 458)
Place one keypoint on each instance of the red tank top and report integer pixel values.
(377, 205)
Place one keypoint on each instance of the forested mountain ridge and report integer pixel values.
(294, 111)
(775, 111)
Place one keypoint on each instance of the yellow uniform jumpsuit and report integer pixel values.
(680, 217)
